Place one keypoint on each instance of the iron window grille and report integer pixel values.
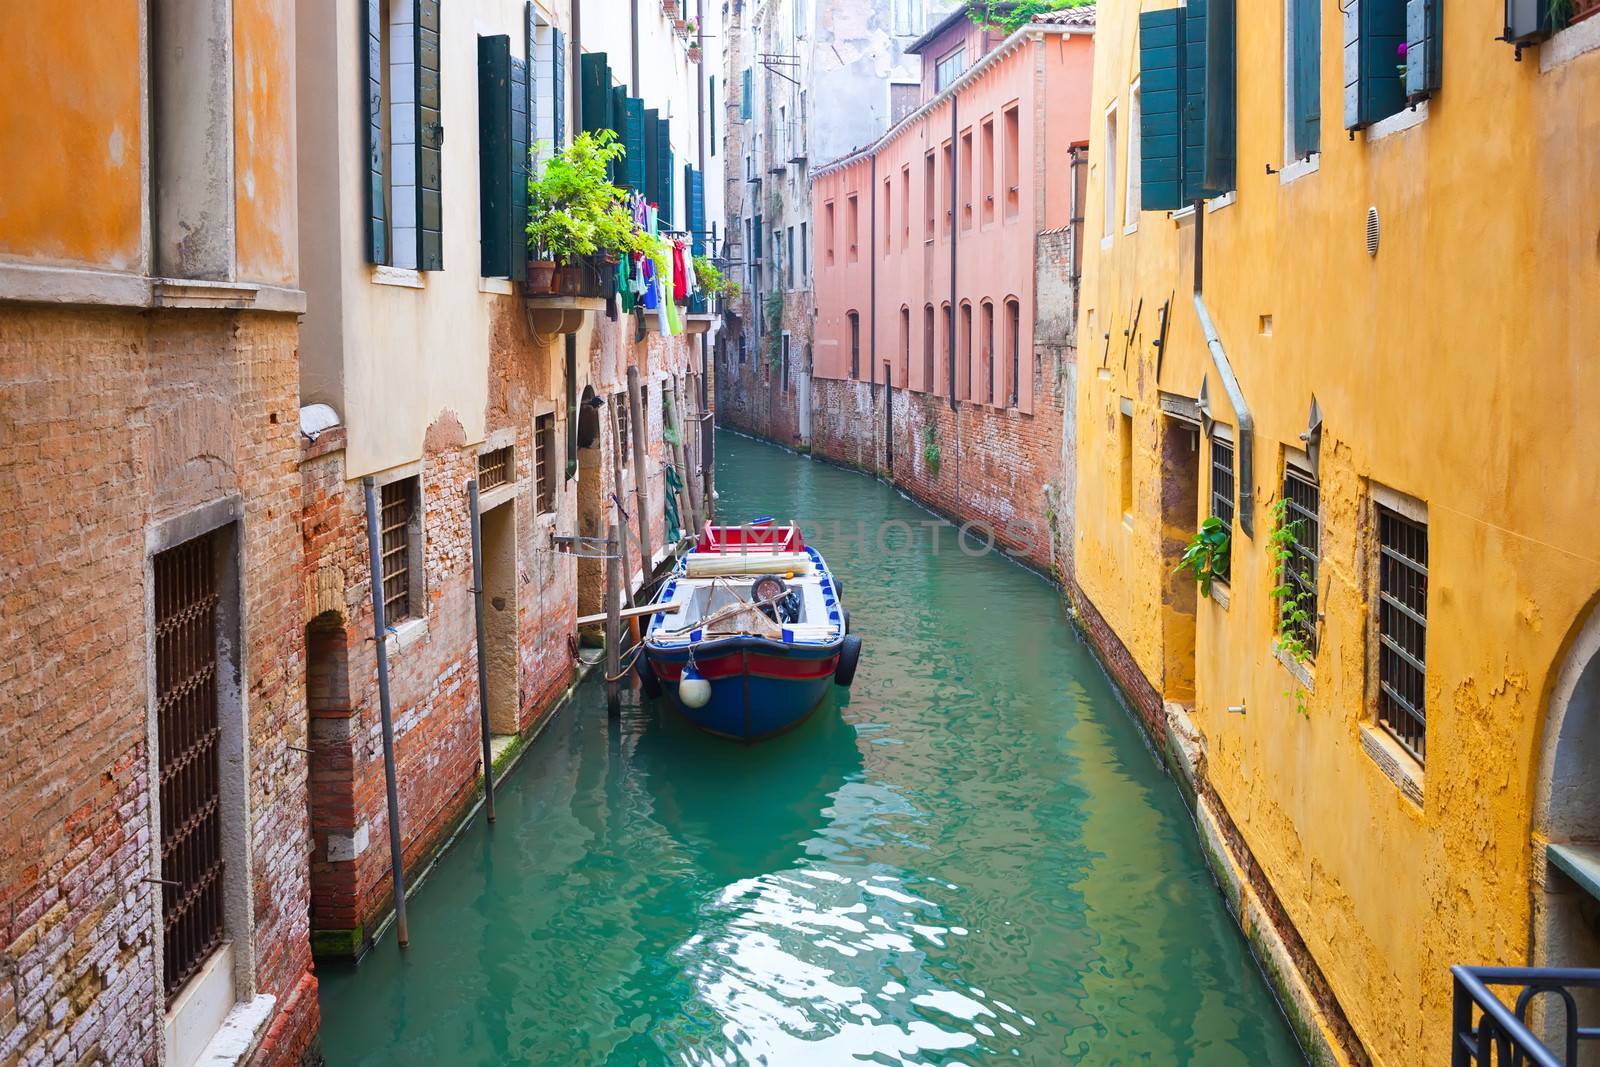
(494, 468)
(619, 407)
(1222, 498)
(544, 462)
(1403, 628)
(855, 345)
(188, 664)
(398, 507)
(1302, 501)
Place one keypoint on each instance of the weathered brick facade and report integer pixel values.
(119, 424)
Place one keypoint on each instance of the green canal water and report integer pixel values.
(971, 858)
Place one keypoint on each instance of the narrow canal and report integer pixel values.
(972, 858)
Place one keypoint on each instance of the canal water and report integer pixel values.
(969, 858)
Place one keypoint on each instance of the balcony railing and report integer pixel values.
(1485, 1032)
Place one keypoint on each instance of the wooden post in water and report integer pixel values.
(613, 619)
(641, 484)
(380, 638)
(617, 498)
(669, 400)
(483, 648)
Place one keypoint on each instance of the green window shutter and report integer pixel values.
(1222, 99)
(695, 190)
(558, 86)
(669, 205)
(652, 154)
(745, 94)
(595, 77)
(430, 140)
(1192, 137)
(633, 141)
(1423, 51)
(756, 257)
(518, 167)
(1307, 77)
(494, 155)
(1160, 88)
(619, 126)
(530, 48)
(1373, 87)
(376, 236)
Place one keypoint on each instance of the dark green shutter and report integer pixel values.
(595, 76)
(519, 167)
(1160, 86)
(652, 154)
(1423, 51)
(430, 140)
(494, 155)
(530, 48)
(695, 190)
(1193, 129)
(669, 204)
(376, 237)
(558, 85)
(1222, 99)
(745, 94)
(757, 257)
(1307, 75)
(619, 126)
(1373, 87)
(633, 141)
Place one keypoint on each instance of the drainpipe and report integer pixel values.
(1247, 424)
(633, 22)
(707, 460)
(955, 170)
(574, 62)
(872, 274)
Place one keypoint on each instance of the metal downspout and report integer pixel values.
(872, 276)
(1245, 445)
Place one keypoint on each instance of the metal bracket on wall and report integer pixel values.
(1161, 336)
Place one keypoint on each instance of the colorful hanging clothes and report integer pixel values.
(680, 277)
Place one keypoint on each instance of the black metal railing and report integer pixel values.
(1487, 1032)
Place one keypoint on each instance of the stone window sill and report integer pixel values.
(240, 1033)
(1399, 122)
(1397, 765)
(405, 634)
(1220, 594)
(499, 286)
(1301, 672)
(1300, 168)
(404, 277)
(1569, 44)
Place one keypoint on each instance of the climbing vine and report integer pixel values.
(1206, 555)
(1295, 623)
(774, 311)
(930, 449)
(1012, 15)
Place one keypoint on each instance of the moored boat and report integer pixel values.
(752, 633)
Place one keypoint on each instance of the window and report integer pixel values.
(905, 207)
(785, 358)
(1374, 85)
(909, 18)
(1300, 494)
(502, 159)
(619, 406)
(790, 265)
(494, 468)
(949, 338)
(1108, 225)
(853, 223)
(1132, 197)
(964, 364)
(929, 196)
(746, 95)
(989, 393)
(855, 345)
(1222, 495)
(1014, 348)
(986, 163)
(827, 233)
(966, 179)
(190, 669)
(949, 176)
(544, 456)
(927, 348)
(1403, 628)
(903, 100)
(1302, 83)
(1010, 176)
(905, 346)
(398, 526)
(1125, 452)
(805, 257)
(950, 67)
(888, 226)
(742, 351)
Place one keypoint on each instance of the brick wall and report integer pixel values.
(754, 396)
(117, 421)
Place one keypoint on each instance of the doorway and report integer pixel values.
(499, 528)
(1180, 502)
(593, 514)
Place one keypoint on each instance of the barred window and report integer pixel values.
(1222, 494)
(619, 405)
(494, 468)
(1303, 499)
(544, 463)
(398, 512)
(1402, 628)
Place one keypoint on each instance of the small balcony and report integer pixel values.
(1541, 1008)
(557, 296)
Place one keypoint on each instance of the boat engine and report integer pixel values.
(780, 603)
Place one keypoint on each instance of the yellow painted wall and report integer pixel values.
(264, 143)
(1461, 366)
(71, 133)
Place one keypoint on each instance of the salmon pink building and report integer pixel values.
(945, 274)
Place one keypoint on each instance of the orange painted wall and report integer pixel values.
(264, 143)
(72, 133)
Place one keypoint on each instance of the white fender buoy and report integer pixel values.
(693, 690)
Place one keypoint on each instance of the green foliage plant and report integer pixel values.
(574, 210)
(774, 309)
(1206, 555)
(1012, 15)
(930, 449)
(1295, 622)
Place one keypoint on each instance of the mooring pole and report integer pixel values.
(483, 647)
(641, 485)
(617, 416)
(670, 398)
(613, 620)
(380, 637)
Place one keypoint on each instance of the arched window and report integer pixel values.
(927, 348)
(964, 355)
(949, 343)
(905, 347)
(855, 345)
(987, 342)
(1013, 349)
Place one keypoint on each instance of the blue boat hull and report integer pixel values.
(759, 687)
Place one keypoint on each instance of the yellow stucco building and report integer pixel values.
(1397, 328)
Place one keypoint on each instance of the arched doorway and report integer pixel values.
(330, 788)
(1566, 825)
(593, 514)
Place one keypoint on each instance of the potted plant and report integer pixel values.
(694, 53)
(575, 216)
